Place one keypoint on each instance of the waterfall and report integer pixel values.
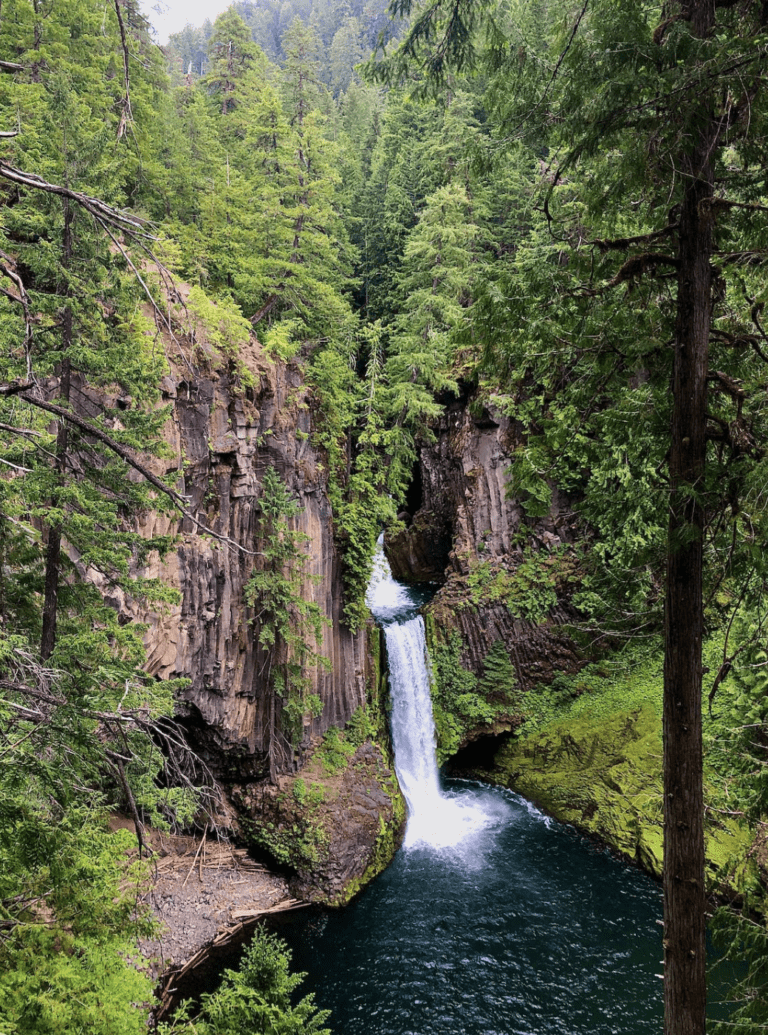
(413, 729)
(435, 818)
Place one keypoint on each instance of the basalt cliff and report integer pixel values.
(466, 533)
(519, 699)
(223, 432)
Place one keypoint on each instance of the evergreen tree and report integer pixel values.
(647, 98)
(255, 999)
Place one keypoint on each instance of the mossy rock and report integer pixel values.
(333, 830)
(602, 774)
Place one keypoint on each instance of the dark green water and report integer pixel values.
(528, 929)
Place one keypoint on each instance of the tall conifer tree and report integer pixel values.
(654, 120)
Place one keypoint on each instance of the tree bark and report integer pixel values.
(684, 892)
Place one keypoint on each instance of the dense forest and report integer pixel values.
(556, 213)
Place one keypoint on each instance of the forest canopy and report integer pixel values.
(557, 211)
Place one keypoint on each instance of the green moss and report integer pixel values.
(602, 773)
(298, 839)
(378, 689)
(335, 751)
(463, 703)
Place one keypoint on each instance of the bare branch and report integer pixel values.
(95, 206)
(268, 306)
(622, 243)
(637, 265)
(126, 114)
(9, 268)
(718, 203)
(16, 387)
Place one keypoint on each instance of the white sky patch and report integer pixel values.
(169, 16)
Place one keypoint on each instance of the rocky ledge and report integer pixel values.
(334, 827)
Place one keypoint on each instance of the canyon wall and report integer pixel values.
(465, 532)
(221, 437)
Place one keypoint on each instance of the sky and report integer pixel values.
(169, 16)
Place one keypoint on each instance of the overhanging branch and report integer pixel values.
(125, 454)
(97, 208)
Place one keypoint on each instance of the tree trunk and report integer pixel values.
(684, 893)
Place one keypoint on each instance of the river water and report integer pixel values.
(492, 919)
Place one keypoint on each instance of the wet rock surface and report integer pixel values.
(337, 831)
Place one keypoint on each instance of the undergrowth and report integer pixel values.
(463, 702)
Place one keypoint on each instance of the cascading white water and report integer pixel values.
(435, 818)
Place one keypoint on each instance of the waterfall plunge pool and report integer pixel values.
(524, 927)
(492, 919)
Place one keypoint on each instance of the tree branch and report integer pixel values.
(8, 267)
(637, 265)
(126, 114)
(622, 243)
(97, 208)
(101, 436)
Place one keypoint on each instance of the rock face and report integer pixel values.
(229, 423)
(504, 575)
(339, 829)
(222, 438)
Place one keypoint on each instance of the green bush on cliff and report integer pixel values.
(530, 590)
(335, 751)
(362, 726)
(298, 839)
(461, 701)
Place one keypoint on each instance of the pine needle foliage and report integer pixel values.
(288, 626)
(255, 999)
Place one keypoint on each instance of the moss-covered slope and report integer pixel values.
(590, 754)
(603, 775)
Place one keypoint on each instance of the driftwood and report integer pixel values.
(245, 921)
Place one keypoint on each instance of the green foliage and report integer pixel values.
(255, 999)
(742, 940)
(739, 729)
(71, 914)
(299, 839)
(80, 719)
(361, 727)
(529, 590)
(286, 623)
(361, 492)
(462, 703)
(58, 984)
(221, 324)
(335, 751)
